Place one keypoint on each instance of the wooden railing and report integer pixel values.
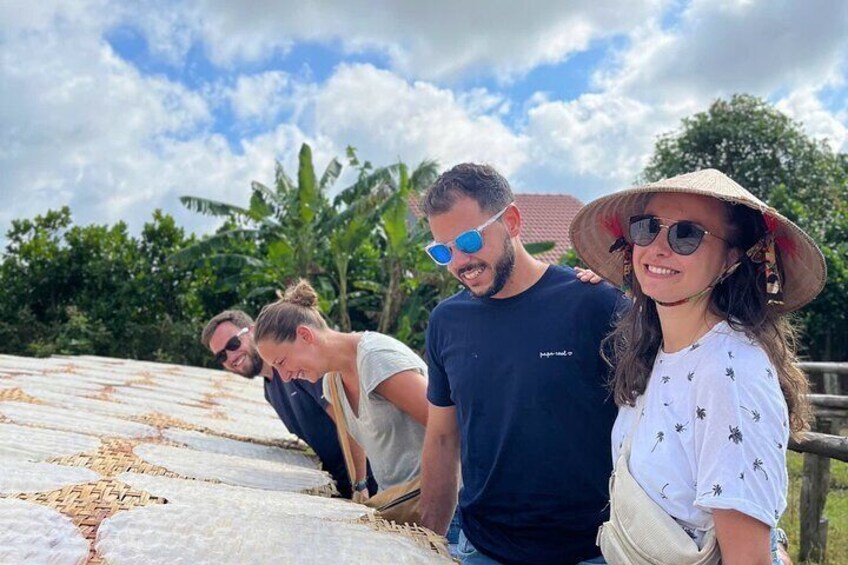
(819, 447)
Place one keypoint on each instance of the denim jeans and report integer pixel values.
(452, 535)
(469, 555)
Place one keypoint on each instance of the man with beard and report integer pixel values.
(517, 385)
(299, 404)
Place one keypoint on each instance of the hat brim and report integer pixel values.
(601, 222)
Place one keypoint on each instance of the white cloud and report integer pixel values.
(259, 97)
(663, 75)
(721, 48)
(432, 40)
(804, 106)
(385, 117)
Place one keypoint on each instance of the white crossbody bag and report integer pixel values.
(639, 531)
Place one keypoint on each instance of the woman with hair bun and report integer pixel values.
(384, 382)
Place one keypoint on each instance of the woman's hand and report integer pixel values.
(587, 276)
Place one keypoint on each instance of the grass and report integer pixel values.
(836, 510)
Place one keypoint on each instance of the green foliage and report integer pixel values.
(770, 155)
(95, 290)
(571, 259)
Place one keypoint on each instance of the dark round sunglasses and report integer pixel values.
(684, 237)
(232, 344)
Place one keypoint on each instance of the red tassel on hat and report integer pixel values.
(613, 226)
(784, 243)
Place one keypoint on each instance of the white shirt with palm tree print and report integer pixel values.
(713, 433)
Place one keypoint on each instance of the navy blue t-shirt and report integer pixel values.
(303, 410)
(534, 413)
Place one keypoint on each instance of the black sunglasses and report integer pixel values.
(232, 344)
(684, 237)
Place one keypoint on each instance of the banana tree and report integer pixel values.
(286, 224)
(404, 238)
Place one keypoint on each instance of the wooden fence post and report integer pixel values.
(815, 484)
(814, 487)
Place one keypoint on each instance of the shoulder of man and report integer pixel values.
(449, 305)
(603, 293)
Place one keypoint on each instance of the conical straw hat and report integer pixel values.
(601, 222)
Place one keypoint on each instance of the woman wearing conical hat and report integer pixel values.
(705, 373)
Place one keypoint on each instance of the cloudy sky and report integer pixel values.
(117, 108)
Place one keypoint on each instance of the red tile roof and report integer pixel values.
(546, 217)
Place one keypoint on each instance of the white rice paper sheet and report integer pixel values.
(83, 403)
(245, 426)
(233, 406)
(188, 492)
(164, 406)
(231, 469)
(18, 477)
(143, 393)
(237, 534)
(60, 382)
(226, 446)
(24, 443)
(12, 364)
(73, 420)
(31, 533)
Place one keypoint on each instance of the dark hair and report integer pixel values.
(481, 183)
(740, 300)
(235, 317)
(297, 307)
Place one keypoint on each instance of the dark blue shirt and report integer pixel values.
(535, 416)
(303, 410)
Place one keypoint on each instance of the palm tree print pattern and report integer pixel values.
(735, 434)
(758, 466)
(700, 413)
(729, 372)
(660, 438)
(755, 415)
(716, 490)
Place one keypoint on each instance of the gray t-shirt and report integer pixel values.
(391, 438)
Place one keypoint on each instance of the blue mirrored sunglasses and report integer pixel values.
(470, 241)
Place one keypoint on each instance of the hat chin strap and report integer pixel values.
(726, 273)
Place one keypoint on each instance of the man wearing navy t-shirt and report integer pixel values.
(298, 403)
(517, 386)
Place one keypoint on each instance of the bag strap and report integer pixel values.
(336, 390)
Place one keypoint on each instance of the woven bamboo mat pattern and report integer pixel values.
(421, 536)
(114, 457)
(88, 504)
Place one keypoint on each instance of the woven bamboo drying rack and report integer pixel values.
(88, 504)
